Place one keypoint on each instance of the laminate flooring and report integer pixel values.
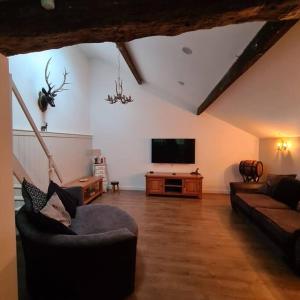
(190, 249)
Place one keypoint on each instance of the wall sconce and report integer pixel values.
(282, 146)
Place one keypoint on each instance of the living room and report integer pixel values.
(186, 245)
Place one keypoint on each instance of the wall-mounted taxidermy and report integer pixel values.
(44, 127)
(48, 97)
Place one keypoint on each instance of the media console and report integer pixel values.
(174, 184)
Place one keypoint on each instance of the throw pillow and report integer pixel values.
(48, 225)
(54, 209)
(66, 198)
(272, 182)
(42, 222)
(288, 192)
(35, 199)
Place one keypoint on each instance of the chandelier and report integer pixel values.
(119, 96)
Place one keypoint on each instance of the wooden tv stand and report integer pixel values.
(174, 184)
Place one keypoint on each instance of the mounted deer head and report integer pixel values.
(48, 97)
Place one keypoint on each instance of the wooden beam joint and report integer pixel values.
(128, 59)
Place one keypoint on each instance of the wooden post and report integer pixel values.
(8, 261)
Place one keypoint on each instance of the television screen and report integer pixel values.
(179, 151)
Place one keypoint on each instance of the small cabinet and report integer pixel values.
(192, 187)
(155, 186)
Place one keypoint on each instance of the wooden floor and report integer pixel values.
(199, 249)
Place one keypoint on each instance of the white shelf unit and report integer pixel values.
(101, 170)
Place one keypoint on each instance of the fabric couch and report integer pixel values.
(276, 214)
(96, 263)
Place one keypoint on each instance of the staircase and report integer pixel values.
(18, 169)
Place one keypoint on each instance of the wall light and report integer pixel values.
(282, 146)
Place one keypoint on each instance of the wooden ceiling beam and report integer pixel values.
(26, 27)
(269, 34)
(128, 59)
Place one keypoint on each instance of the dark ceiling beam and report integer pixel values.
(128, 59)
(26, 27)
(270, 33)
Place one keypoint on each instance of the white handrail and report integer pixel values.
(52, 164)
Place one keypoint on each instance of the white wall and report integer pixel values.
(8, 274)
(123, 132)
(280, 162)
(71, 153)
(71, 113)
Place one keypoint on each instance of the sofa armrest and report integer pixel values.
(77, 193)
(246, 187)
(82, 265)
(98, 240)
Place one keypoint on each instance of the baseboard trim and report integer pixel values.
(205, 191)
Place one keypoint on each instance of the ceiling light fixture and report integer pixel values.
(119, 96)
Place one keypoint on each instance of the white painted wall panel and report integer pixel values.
(70, 152)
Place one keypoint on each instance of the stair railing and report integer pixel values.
(52, 165)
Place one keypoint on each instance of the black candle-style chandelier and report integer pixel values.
(119, 96)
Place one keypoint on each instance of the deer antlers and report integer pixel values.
(50, 86)
(60, 89)
(48, 97)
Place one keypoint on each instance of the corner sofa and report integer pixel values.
(96, 263)
(275, 211)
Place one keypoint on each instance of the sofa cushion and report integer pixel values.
(288, 192)
(261, 200)
(288, 220)
(69, 202)
(272, 181)
(99, 218)
(266, 220)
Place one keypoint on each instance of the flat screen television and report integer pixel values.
(177, 151)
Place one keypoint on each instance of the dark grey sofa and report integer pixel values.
(97, 263)
(275, 218)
